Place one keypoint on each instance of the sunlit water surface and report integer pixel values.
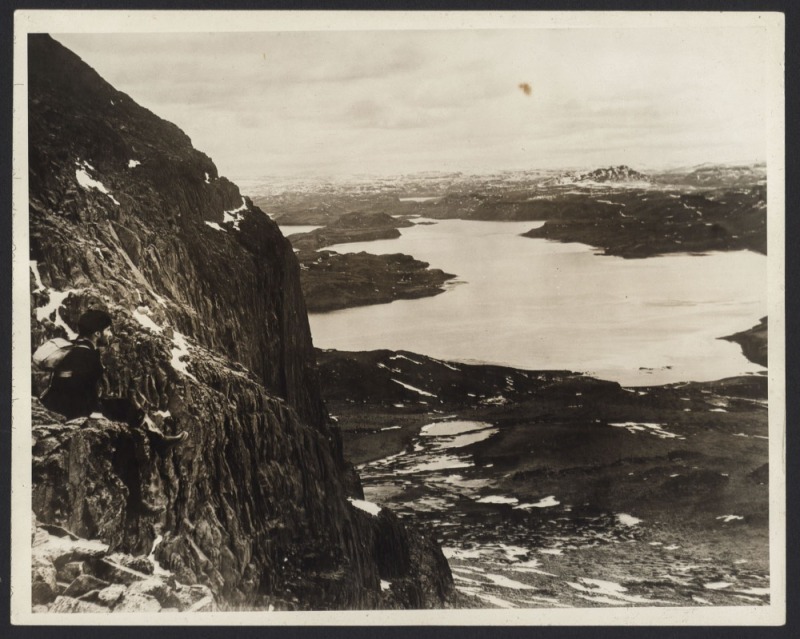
(537, 304)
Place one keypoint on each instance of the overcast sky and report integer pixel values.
(337, 103)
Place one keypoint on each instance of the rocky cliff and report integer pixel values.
(212, 336)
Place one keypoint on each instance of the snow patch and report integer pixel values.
(653, 429)
(140, 316)
(51, 310)
(547, 502)
(608, 589)
(462, 553)
(446, 365)
(497, 499)
(761, 592)
(413, 388)
(235, 216)
(466, 440)
(180, 354)
(717, 585)
(391, 428)
(366, 506)
(413, 361)
(444, 462)
(440, 429)
(505, 582)
(628, 520)
(132, 164)
(385, 585)
(158, 569)
(36, 276)
(88, 182)
(216, 226)
(729, 518)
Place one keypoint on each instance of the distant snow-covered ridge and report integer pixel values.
(621, 174)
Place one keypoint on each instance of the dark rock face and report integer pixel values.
(221, 288)
(211, 337)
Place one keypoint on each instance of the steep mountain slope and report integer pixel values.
(212, 337)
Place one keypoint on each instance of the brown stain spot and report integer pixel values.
(526, 88)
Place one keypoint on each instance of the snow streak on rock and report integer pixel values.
(180, 354)
(235, 216)
(413, 388)
(88, 182)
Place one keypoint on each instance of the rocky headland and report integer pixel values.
(333, 281)
(259, 508)
(754, 342)
(651, 223)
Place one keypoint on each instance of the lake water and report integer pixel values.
(536, 304)
(294, 229)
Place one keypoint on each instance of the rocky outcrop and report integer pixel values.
(754, 342)
(332, 281)
(211, 337)
(70, 574)
(639, 224)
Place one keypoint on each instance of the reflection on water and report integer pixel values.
(536, 304)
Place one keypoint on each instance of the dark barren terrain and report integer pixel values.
(549, 488)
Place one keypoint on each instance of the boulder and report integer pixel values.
(44, 587)
(83, 584)
(70, 604)
(111, 595)
(137, 602)
(71, 570)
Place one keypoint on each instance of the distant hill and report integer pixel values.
(621, 174)
(717, 175)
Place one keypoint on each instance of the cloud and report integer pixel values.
(389, 100)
